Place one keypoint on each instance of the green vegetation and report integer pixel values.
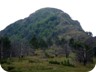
(47, 41)
(45, 23)
(5, 47)
(35, 64)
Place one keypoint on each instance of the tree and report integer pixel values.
(89, 33)
(34, 42)
(64, 45)
(1, 48)
(82, 51)
(49, 42)
(42, 43)
(5, 47)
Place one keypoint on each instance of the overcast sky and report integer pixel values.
(82, 10)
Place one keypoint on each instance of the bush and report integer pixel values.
(54, 62)
(31, 61)
(48, 56)
(4, 61)
(67, 63)
(10, 68)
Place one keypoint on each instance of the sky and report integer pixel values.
(82, 10)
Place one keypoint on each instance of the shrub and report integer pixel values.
(48, 56)
(54, 62)
(31, 61)
(10, 68)
(4, 61)
(67, 63)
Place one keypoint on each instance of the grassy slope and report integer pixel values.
(39, 64)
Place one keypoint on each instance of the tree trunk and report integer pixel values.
(85, 58)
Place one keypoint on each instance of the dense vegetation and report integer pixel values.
(49, 41)
(45, 23)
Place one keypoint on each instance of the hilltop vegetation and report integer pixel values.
(45, 23)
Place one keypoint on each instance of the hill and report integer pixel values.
(45, 23)
(48, 40)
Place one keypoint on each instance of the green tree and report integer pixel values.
(82, 51)
(64, 45)
(38, 43)
(5, 47)
(34, 42)
(42, 43)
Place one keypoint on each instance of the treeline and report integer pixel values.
(14, 49)
(21, 48)
(84, 49)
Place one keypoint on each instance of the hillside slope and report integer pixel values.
(46, 23)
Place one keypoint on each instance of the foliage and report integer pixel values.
(5, 47)
(48, 55)
(54, 62)
(67, 63)
(83, 51)
(10, 68)
(4, 61)
(43, 29)
(34, 42)
(43, 65)
(44, 23)
(38, 43)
